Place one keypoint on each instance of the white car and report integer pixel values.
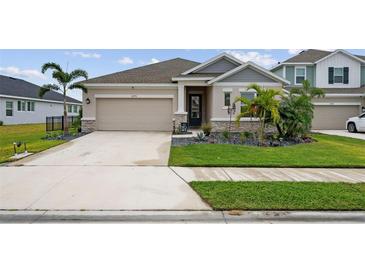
(357, 123)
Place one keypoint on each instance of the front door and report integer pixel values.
(195, 110)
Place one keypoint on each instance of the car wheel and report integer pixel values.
(351, 127)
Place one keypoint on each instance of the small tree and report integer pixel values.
(296, 111)
(265, 107)
(66, 82)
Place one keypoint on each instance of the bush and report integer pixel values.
(225, 134)
(206, 128)
(1, 123)
(200, 136)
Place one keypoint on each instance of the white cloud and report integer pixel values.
(154, 61)
(17, 72)
(294, 51)
(265, 60)
(125, 61)
(84, 54)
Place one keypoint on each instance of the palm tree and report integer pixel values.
(307, 90)
(265, 107)
(65, 83)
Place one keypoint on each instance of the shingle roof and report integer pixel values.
(197, 75)
(17, 87)
(311, 56)
(161, 72)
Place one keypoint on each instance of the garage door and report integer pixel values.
(134, 114)
(333, 117)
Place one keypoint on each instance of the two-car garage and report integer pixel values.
(327, 116)
(150, 114)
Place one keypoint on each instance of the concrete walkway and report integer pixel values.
(271, 174)
(218, 217)
(344, 133)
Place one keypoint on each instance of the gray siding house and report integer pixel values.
(20, 103)
(339, 73)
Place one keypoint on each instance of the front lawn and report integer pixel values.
(328, 151)
(30, 133)
(223, 195)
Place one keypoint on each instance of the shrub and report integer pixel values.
(225, 134)
(207, 128)
(200, 136)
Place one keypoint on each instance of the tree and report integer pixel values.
(265, 107)
(66, 82)
(296, 111)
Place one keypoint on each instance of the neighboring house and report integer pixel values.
(339, 73)
(20, 103)
(153, 96)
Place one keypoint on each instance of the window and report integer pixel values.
(69, 108)
(249, 94)
(32, 106)
(300, 73)
(9, 108)
(338, 75)
(227, 99)
(75, 108)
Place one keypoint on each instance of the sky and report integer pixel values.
(26, 64)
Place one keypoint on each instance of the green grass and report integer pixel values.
(223, 195)
(30, 133)
(328, 151)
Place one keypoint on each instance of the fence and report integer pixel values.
(57, 122)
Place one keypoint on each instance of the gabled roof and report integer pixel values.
(161, 72)
(212, 60)
(17, 87)
(253, 66)
(313, 56)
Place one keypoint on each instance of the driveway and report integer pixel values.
(107, 148)
(343, 133)
(102, 170)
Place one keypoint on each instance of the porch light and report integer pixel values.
(87, 101)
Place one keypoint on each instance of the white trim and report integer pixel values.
(191, 78)
(36, 99)
(335, 95)
(246, 84)
(284, 72)
(234, 119)
(180, 112)
(337, 104)
(242, 67)
(295, 74)
(340, 51)
(131, 85)
(227, 89)
(211, 60)
(88, 119)
(134, 96)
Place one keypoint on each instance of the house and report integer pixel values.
(339, 73)
(20, 103)
(157, 96)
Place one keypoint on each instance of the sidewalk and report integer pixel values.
(217, 217)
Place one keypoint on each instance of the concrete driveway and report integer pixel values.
(344, 133)
(102, 170)
(107, 148)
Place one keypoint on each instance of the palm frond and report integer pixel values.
(51, 65)
(78, 73)
(78, 86)
(46, 88)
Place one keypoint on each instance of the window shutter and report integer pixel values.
(345, 75)
(330, 75)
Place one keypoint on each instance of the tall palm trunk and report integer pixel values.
(65, 124)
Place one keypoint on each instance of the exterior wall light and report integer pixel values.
(87, 101)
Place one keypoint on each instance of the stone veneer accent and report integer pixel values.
(180, 118)
(252, 126)
(88, 126)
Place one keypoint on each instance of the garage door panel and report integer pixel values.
(134, 114)
(333, 117)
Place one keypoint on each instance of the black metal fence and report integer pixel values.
(57, 122)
